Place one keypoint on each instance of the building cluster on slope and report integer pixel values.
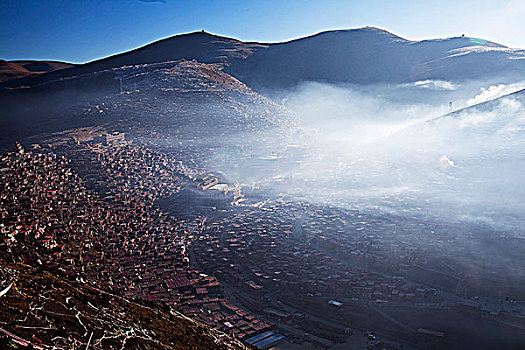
(91, 215)
(94, 213)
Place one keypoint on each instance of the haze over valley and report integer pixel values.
(267, 195)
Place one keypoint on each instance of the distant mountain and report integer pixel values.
(199, 46)
(18, 69)
(370, 55)
(44, 66)
(362, 56)
(194, 73)
(11, 70)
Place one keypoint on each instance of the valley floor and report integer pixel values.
(138, 226)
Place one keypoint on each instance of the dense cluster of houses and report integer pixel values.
(90, 214)
(295, 247)
(90, 211)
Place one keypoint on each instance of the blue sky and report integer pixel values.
(84, 30)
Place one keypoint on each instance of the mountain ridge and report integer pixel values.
(483, 106)
(367, 55)
(21, 68)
